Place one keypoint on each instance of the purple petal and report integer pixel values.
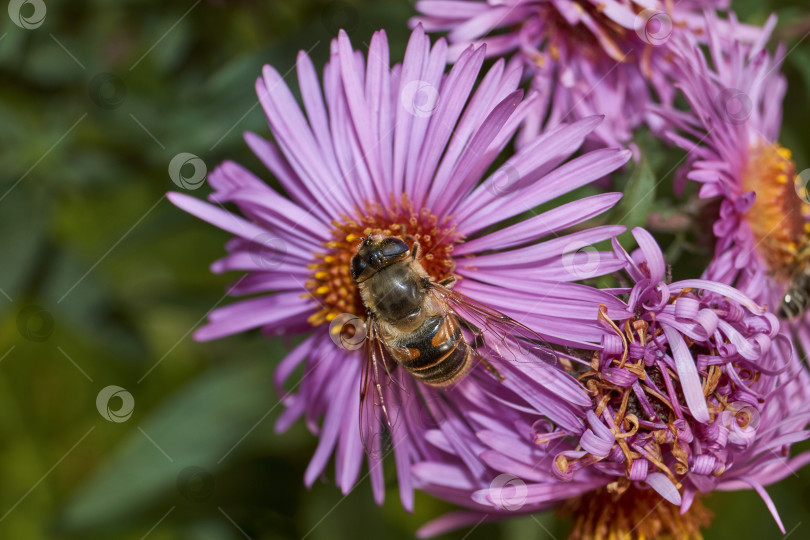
(664, 487)
(687, 372)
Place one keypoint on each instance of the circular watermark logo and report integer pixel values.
(339, 15)
(268, 251)
(107, 90)
(187, 171)
(801, 181)
(419, 98)
(653, 27)
(508, 492)
(28, 14)
(195, 484)
(348, 331)
(35, 323)
(742, 420)
(505, 181)
(581, 260)
(734, 106)
(105, 408)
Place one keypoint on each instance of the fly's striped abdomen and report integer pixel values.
(436, 353)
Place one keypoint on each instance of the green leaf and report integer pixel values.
(198, 427)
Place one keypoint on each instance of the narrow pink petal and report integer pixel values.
(688, 375)
(378, 92)
(541, 156)
(550, 249)
(330, 432)
(463, 180)
(451, 9)
(352, 78)
(216, 216)
(282, 263)
(473, 116)
(270, 156)
(542, 493)
(554, 220)
(451, 522)
(767, 499)
(350, 452)
(664, 487)
(412, 65)
(504, 463)
(442, 474)
(730, 292)
(432, 81)
(293, 134)
(563, 179)
(652, 254)
(453, 95)
(254, 313)
(281, 212)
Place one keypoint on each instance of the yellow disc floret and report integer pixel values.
(778, 216)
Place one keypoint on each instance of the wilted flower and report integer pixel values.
(403, 151)
(584, 57)
(687, 398)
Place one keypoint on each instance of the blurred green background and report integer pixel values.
(102, 281)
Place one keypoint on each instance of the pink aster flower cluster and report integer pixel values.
(349, 173)
(582, 56)
(686, 398)
(660, 391)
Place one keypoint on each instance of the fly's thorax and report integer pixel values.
(395, 294)
(335, 277)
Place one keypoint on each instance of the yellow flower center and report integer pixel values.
(621, 511)
(778, 218)
(331, 281)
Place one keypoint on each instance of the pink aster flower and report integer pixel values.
(687, 397)
(732, 135)
(584, 56)
(405, 151)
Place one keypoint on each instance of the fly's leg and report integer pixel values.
(477, 332)
(477, 343)
(408, 238)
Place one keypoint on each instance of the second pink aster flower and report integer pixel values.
(584, 56)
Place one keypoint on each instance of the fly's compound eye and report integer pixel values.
(391, 248)
(359, 265)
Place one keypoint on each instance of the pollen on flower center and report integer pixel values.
(559, 28)
(331, 282)
(601, 35)
(633, 513)
(778, 217)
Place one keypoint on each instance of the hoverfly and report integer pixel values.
(418, 324)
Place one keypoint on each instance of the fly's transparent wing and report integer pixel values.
(495, 335)
(377, 420)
